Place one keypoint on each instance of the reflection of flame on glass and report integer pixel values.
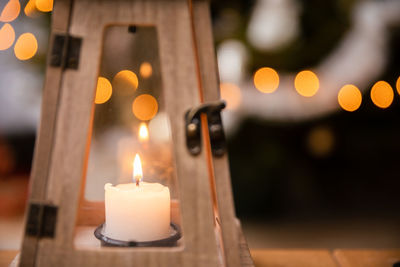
(143, 132)
(10, 11)
(137, 169)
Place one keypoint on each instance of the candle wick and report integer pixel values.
(137, 182)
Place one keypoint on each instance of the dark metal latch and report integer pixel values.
(215, 129)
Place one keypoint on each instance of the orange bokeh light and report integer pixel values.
(231, 94)
(26, 46)
(44, 5)
(7, 36)
(125, 82)
(398, 85)
(382, 94)
(266, 80)
(10, 11)
(103, 90)
(30, 9)
(349, 97)
(321, 141)
(145, 107)
(145, 70)
(306, 83)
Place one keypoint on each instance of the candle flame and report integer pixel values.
(143, 132)
(137, 169)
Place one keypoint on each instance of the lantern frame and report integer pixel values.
(211, 233)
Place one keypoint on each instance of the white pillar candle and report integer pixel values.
(137, 211)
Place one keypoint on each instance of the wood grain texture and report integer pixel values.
(45, 136)
(210, 91)
(367, 258)
(245, 256)
(67, 166)
(293, 258)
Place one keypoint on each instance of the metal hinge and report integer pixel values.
(65, 52)
(215, 129)
(42, 220)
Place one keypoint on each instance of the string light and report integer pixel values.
(382, 94)
(306, 83)
(266, 80)
(349, 97)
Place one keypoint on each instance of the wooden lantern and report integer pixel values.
(58, 208)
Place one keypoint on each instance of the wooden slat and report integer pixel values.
(245, 256)
(293, 258)
(72, 129)
(210, 90)
(367, 257)
(45, 136)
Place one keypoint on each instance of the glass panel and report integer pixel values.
(130, 145)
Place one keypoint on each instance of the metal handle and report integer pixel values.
(215, 129)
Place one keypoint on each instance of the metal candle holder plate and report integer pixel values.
(175, 235)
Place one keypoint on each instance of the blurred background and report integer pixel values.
(312, 121)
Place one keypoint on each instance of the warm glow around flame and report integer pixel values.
(137, 169)
(143, 132)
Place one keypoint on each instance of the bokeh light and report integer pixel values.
(231, 94)
(306, 83)
(349, 97)
(7, 36)
(103, 90)
(30, 9)
(26, 46)
(266, 80)
(44, 5)
(125, 82)
(145, 70)
(145, 107)
(398, 85)
(143, 132)
(10, 11)
(382, 94)
(321, 141)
